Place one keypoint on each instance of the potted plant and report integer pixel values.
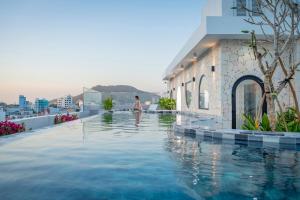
(167, 103)
(108, 104)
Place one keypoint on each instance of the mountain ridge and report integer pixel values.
(123, 95)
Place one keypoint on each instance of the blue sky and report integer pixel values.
(49, 48)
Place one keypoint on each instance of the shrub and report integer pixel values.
(167, 103)
(285, 122)
(108, 103)
(288, 121)
(64, 118)
(7, 128)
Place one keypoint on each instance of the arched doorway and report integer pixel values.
(246, 95)
(178, 99)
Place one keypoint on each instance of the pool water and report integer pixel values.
(113, 157)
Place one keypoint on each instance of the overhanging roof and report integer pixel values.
(213, 29)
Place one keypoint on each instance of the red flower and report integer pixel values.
(64, 118)
(8, 127)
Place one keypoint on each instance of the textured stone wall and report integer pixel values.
(202, 67)
(232, 59)
(237, 60)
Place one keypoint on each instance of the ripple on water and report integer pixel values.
(110, 157)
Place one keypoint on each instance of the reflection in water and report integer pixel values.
(107, 118)
(138, 116)
(119, 161)
(166, 119)
(215, 169)
(178, 119)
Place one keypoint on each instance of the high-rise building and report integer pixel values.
(22, 102)
(41, 105)
(65, 102)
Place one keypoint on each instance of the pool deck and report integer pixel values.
(243, 136)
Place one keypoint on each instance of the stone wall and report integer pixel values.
(237, 61)
(232, 59)
(202, 67)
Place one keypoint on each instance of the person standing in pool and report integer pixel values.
(137, 105)
(137, 110)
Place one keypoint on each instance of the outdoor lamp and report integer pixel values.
(213, 68)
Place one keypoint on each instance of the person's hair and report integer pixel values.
(137, 97)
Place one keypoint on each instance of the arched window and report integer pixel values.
(188, 93)
(171, 94)
(203, 93)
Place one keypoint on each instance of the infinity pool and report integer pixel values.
(111, 157)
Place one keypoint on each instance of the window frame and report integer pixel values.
(185, 92)
(199, 94)
(238, 9)
(254, 3)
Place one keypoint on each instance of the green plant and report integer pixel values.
(166, 119)
(107, 118)
(288, 121)
(108, 103)
(249, 123)
(167, 103)
(285, 122)
(265, 123)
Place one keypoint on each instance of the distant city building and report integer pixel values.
(29, 105)
(65, 102)
(41, 105)
(22, 102)
(2, 114)
(54, 111)
(13, 110)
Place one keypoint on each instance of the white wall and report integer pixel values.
(2, 116)
(43, 121)
(202, 67)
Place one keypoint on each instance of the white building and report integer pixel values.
(54, 111)
(215, 73)
(65, 102)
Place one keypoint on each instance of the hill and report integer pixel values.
(123, 95)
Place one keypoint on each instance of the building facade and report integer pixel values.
(22, 102)
(41, 105)
(65, 102)
(2, 114)
(215, 73)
